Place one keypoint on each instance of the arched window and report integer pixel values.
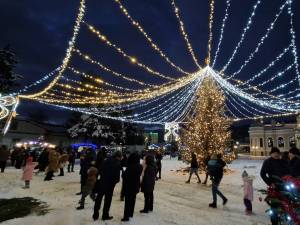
(270, 142)
(280, 142)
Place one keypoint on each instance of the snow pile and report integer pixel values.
(175, 202)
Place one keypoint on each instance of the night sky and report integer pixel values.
(39, 32)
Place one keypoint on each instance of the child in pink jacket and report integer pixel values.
(248, 192)
(28, 171)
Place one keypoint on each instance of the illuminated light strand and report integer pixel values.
(261, 42)
(271, 116)
(231, 88)
(271, 64)
(281, 86)
(44, 78)
(89, 59)
(229, 110)
(140, 96)
(278, 75)
(252, 108)
(171, 104)
(210, 26)
(12, 114)
(132, 59)
(240, 105)
(179, 106)
(240, 112)
(75, 71)
(260, 92)
(148, 38)
(293, 39)
(228, 3)
(243, 36)
(184, 34)
(68, 55)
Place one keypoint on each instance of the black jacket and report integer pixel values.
(148, 181)
(294, 167)
(131, 179)
(273, 167)
(215, 169)
(158, 160)
(109, 175)
(194, 163)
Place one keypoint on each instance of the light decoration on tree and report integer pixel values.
(207, 132)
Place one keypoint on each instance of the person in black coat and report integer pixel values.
(273, 167)
(148, 183)
(215, 167)
(194, 168)
(71, 159)
(101, 156)
(294, 164)
(158, 165)
(43, 160)
(123, 167)
(109, 177)
(131, 184)
(85, 163)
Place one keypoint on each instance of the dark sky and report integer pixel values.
(39, 32)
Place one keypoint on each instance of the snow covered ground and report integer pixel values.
(176, 203)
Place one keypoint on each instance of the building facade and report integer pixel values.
(264, 137)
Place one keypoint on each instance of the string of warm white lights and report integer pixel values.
(66, 60)
(184, 34)
(262, 40)
(293, 39)
(148, 38)
(248, 25)
(132, 59)
(222, 31)
(210, 26)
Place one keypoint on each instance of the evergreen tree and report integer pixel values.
(207, 131)
(7, 65)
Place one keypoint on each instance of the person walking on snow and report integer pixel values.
(248, 192)
(28, 171)
(194, 168)
(215, 168)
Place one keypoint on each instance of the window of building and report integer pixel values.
(280, 142)
(292, 142)
(270, 142)
(261, 142)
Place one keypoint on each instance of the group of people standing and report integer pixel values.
(99, 178)
(278, 166)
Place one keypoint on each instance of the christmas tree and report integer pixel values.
(207, 131)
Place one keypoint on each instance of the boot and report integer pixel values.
(213, 205)
(80, 207)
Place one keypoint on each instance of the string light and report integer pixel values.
(148, 38)
(222, 31)
(184, 34)
(210, 25)
(293, 39)
(124, 54)
(248, 25)
(271, 64)
(68, 53)
(261, 42)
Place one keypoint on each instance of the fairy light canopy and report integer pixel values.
(258, 78)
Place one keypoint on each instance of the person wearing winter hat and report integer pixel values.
(28, 171)
(248, 192)
(294, 165)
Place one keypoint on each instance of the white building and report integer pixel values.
(264, 137)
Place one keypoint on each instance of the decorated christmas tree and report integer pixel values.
(207, 131)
